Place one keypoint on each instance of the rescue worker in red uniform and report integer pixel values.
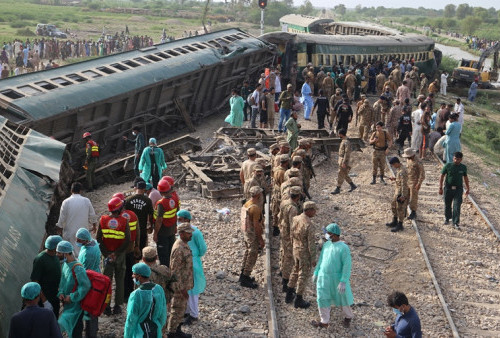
(91, 158)
(165, 218)
(171, 181)
(133, 252)
(113, 235)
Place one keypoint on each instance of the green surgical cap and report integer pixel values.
(148, 186)
(152, 140)
(52, 241)
(83, 234)
(31, 290)
(333, 228)
(64, 247)
(184, 214)
(142, 270)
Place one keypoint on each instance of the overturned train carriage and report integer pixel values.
(30, 170)
(160, 88)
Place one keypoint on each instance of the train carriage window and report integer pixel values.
(192, 49)
(29, 90)
(237, 37)
(61, 81)
(171, 52)
(46, 85)
(119, 66)
(142, 61)
(163, 55)
(106, 70)
(230, 38)
(152, 58)
(327, 60)
(243, 35)
(199, 46)
(320, 59)
(91, 74)
(213, 43)
(131, 63)
(222, 40)
(11, 94)
(76, 77)
(183, 51)
(210, 45)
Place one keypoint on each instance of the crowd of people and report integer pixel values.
(19, 57)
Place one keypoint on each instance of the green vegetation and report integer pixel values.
(481, 136)
(447, 64)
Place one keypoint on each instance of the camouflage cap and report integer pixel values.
(149, 252)
(261, 161)
(284, 144)
(251, 151)
(302, 142)
(295, 182)
(295, 190)
(300, 152)
(258, 168)
(310, 205)
(296, 159)
(185, 227)
(294, 172)
(274, 146)
(255, 190)
(284, 158)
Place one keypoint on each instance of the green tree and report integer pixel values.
(307, 8)
(449, 11)
(463, 10)
(340, 9)
(470, 24)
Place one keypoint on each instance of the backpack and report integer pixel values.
(251, 99)
(148, 326)
(99, 295)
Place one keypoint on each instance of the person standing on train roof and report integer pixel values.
(152, 163)
(140, 144)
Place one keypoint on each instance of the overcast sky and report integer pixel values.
(437, 4)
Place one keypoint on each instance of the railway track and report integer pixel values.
(463, 264)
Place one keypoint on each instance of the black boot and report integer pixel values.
(290, 295)
(382, 179)
(413, 215)
(241, 274)
(284, 282)
(353, 186)
(393, 223)
(374, 180)
(399, 227)
(247, 282)
(276, 231)
(301, 303)
(336, 191)
(180, 334)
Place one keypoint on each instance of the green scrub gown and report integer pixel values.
(139, 306)
(198, 249)
(72, 311)
(90, 256)
(145, 163)
(334, 266)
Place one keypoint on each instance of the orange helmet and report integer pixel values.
(119, 195)
(163, 186)
(115, 204)
(169, 179)
(86, 134)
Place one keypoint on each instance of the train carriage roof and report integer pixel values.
(303, 20)
(164, 61)
(349, 40)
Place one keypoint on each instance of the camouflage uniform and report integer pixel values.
(253, 182)
(250, 213)
(328, 86)
(181, 263)
(365, 114)
(247, 168)
(416, 175)
(380, 109)
(293, 172)
(396, 76)
(161, 275)
(392, 120)
(288, 210)
(378, 157)
(350, 83)
(401, 189)
(344, 158)
(304, 252)
(424, 85)
(279, 176)
(380, 80)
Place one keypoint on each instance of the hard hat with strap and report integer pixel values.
(86, 134)
(115, 204)
(164, 186)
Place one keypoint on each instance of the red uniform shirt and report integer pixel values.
(132, 223)
(113, 231)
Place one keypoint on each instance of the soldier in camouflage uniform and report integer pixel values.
(181, 264)
(285, 190)
(284, 149)
(247, 166)
(392, 119)
(160, 274)
(401, 195)
(334, 99)
(365, 115)
(256, 181)
(296, 168)
(251, 225)
(424, 84)
(416, 175)
(273, 150)
(380, 109)
(304, 255)
(288, 210)
(278, 179)
(344, 165)
(381, 141)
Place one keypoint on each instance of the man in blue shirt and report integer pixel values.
(407, 323)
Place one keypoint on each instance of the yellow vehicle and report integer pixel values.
(470, 70)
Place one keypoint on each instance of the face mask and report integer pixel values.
(78, 244)
(136, 282)
(327, 237)
(62, 260)
(396, 311)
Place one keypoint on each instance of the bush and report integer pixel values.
(495, 144)
(491, 133)
(448, 64)
(25, 32)
(19, 24)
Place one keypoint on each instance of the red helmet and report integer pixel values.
(169, 179)
(163, 186)
(115, 204)
(86, 134)
(119, 195)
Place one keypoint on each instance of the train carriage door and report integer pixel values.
(310, 52)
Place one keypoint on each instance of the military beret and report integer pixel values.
(310, 205)
(255, 190)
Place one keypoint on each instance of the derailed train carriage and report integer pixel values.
(161, 89)
(328, 50)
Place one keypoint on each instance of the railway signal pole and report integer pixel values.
(262, 5)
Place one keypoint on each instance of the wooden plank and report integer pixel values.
(182, 108)
(198, 172)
